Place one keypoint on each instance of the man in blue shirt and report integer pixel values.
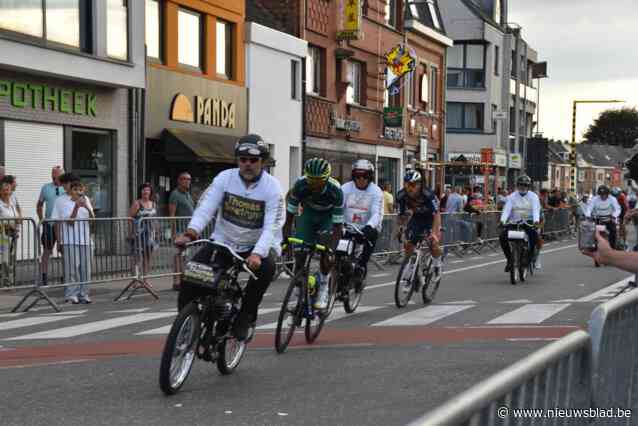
(48, 194)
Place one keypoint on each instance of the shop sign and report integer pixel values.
(213, 112)
(487, 155)
(515, 161)
(500, 158)
(393, 116)
(347, 125)
(393, 133)
(423, 149)
(48, 98)
(473, 157)
(351, 20)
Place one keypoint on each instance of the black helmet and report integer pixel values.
(523, 180)
(251, 146)
(603, 190)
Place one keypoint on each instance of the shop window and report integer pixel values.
(153, 29)
(91, 154)
(117, 29)
(224, 52)
(189, 38)
(64, 22)
(353, 92)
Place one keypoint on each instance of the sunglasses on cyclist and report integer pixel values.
(251, 160)
(246, 149)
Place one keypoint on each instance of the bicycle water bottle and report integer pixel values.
(312, 285)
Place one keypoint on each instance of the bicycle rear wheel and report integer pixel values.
(522, 263)
(353, 299)
(179, 350)
(290, 313)
(428, 292)
(514, 266)
(404, 286)
(231, 351)
(314, 325)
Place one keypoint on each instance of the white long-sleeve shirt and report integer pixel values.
(598, 207)
(363, 207)
(521, 208)
(248, 217)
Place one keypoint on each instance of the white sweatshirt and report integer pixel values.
(363, 207)
(521, 208)
(598, 207)
(247, 217)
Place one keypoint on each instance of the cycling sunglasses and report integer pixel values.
(251, 160)
(246, 149)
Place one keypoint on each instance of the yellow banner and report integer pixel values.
(351, 20)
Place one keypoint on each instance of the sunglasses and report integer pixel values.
(361, 177)
(251, 160)
(248, 149)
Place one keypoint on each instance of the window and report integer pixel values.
(153, 29)
(294, 80)
(353, 92)
(313, 70)
(494, 120)
(224, 53)
(497, 11)
(390, 13)
(66, 22)
(117, 29)
(189, 38)
(435, 16)
(434, 93)
(410, 89)
(466, 66)
(464, 116)
(425, 88)
(497, 60)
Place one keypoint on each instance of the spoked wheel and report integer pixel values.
(332, 288)
(514, 270)
(522, 264)
(352, 301)
(429, 288)
(290, 314)
(315, 324)
(404, 286)
(231, 352)
(179, 350)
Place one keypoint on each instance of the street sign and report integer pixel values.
(500, 115)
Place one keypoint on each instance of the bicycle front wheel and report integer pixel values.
(179, 350)
(429, 288)
(514, 266)
(314, 325)
(231, 351)
(404, 286)
(289, 314)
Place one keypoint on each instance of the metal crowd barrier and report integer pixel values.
(555, 376)
(613, 328)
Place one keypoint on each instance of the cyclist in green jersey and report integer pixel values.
(321, 199)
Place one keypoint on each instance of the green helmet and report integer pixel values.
(317, 168)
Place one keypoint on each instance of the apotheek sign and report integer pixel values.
(213, 112)
(48, 98)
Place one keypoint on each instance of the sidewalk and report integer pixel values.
(100, 293)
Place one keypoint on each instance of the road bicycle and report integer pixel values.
(602, 222)
(299, 299)
(523, 260)
(209, 303)
(416, 275)
(350, 278)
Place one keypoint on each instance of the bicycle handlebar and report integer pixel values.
(230, 250)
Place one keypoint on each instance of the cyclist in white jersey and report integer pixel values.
(605, 206)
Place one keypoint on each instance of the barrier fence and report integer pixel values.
(591, 376)
(102, 250)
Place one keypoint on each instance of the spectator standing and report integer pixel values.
(180, 204)
(75, 210)
(554, 200)
(388, 199)
(454, 202)
(8, 236)
(14, 199)
(144, 239)
(48, 196)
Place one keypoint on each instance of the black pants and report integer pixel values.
(255, 289)
(372, 235)
(532, 234)
(611, 230)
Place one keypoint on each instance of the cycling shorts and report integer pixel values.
(417, 229)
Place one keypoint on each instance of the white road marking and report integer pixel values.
(476, 257)
(460, 302)
(46, 364)
(457, 261)
(534, 313)
(129, 311)
(337, 314)
(423, 316)
(166, 328)
(28, 322)
(607, 291)
(494, 254)
(519, 301)
(532, 339)
(384, 274)
(564, 301)
(63, 313)
(11, 315)
(92, 327)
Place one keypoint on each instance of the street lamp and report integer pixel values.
(573, 155)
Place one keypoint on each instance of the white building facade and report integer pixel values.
(275, 109)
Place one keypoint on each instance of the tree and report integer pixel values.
(614, 127)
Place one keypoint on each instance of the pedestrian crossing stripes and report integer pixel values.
(424, 316)
(533, 313)
(337, 314)
(31, 321)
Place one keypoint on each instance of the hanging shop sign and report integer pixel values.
(48, 98)
(393, 116)
(350, 13)
(500, 158)
(487, 155)
(212, 112)
(515, 161)
(347, 125)
(393, 133)
(399, 62)
(423, 149)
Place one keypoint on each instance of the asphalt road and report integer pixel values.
(99, 364)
